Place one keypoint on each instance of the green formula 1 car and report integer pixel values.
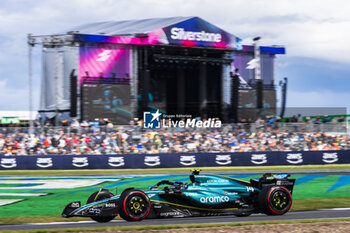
(205, 195)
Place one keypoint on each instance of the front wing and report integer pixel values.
(107, 207)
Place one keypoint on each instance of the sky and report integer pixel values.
(315, 34)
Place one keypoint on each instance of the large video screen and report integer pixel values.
(104, 60)
(247, 104)
(106, 101)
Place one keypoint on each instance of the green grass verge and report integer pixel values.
(176, 170)
(298, 205)
(174, 226)
(320, 203)
(315, 190)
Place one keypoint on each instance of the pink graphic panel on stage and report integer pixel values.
(104, 61)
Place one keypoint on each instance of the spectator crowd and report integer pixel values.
(96, 139)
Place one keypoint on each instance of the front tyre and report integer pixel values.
(99, 196)
(274, 200)
(134, 205)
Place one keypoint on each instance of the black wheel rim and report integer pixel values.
(279, 200)
(137, 206)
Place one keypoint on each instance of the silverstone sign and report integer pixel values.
(181, 34)
(132, 161)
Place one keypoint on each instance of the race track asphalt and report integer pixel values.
(317, 214)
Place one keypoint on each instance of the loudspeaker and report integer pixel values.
(259, 94)
(73, 94)
(234, 97)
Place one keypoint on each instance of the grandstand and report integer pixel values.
(104, 138)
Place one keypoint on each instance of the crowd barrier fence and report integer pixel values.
(133, 161)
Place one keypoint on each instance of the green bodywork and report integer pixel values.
(204, 194)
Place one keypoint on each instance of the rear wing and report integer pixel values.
(269, 179)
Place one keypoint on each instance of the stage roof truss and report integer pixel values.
(52, 40)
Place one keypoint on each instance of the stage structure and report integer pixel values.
(179, 65)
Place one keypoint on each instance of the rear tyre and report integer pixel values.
(134, 205)
(99, 196)
(274, 200)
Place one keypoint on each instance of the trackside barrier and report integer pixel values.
(173, 160)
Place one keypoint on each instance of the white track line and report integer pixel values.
(8, 201)
(63, 223)
(23, 194)
(336, 209)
